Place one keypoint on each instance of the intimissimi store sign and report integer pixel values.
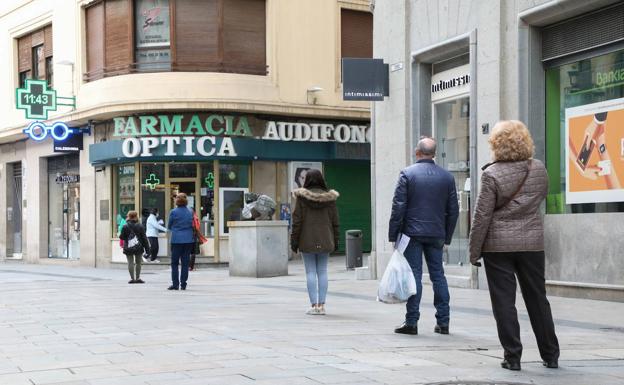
(220, 135)
(450, 83)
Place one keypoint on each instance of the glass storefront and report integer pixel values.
(159, 183)
(581, 83)
(451, 131)
(64, 207)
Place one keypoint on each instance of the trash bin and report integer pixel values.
(354, 249)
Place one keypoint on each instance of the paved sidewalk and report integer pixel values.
(77, 326)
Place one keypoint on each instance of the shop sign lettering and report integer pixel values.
(316, 132)
(191, 146)
(67, 179)
(171, 125)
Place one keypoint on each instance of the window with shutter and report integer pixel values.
(34, 52)
(244, 36)
(95, 41)
(118, 37)
(197, 35)
(126, 36)
(356, 34)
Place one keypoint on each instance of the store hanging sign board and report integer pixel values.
(364, 79)
(73, 143)
(595, 152)
(38, 100)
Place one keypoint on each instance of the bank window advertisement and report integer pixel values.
(584, 130)
(595, 152)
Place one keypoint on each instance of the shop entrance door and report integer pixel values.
(452, 136)
(64, 207)
(64, 228)
(189, 187)
(14, 213)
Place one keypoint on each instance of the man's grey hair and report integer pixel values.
(426, 146)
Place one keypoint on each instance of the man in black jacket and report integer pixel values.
(425, 209)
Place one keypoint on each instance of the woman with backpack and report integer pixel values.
(134, 244)
(315, 234)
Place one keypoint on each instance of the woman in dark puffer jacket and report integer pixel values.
(315, 234)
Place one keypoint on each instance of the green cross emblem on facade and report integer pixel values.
(209, 180)
(36, 99)
(152, 181)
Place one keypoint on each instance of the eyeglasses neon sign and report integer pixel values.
(59, 131)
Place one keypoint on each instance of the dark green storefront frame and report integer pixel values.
(346, 168)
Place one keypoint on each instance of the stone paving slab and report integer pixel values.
(80, 326)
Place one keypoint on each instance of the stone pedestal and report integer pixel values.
(258, 249)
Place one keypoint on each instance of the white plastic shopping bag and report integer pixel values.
(397, 283)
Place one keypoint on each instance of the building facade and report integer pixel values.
(212, 98)
(458, 67)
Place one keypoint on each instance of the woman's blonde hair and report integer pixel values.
(132, 216)
(511, 141)
(181, 199)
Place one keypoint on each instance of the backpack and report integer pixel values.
(133, 245)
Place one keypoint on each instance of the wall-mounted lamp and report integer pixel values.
(312, 92)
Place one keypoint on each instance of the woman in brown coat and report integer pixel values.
(508, 232)
(315, 234)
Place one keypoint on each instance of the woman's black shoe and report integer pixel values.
(407, 329)
(551, 364)
(510, 365)
(132, 281)
(139, 281)
(172, 288)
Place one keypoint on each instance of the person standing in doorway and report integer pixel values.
(425, 208)
(134, 244)
(508, 233)
(315, 232)
(153, 227)
(182, 241)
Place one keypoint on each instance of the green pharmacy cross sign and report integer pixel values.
(152, 181)
(209, 180)
(37, 99)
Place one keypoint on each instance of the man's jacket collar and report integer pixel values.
(425, 161)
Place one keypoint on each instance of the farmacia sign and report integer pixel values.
(212, 135)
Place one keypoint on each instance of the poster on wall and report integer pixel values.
(297, 172)
(152, 23)
(594, 134)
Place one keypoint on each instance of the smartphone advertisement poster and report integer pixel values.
(595, 152)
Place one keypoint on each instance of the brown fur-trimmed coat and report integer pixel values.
(315, 221)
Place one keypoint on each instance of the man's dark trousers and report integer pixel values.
(432, 248)
(501, 269)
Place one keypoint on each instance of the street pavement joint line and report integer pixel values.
(53, 275)
(466, 310)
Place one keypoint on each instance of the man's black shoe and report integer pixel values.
(182, 287)
(551, 364)
(510, 365)
(407, 329)
(441, 329)
(172, 288)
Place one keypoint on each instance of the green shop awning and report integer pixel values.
(111, 152)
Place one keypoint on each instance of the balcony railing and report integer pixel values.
(151, 67)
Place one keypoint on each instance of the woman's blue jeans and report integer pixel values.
(316, 276)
